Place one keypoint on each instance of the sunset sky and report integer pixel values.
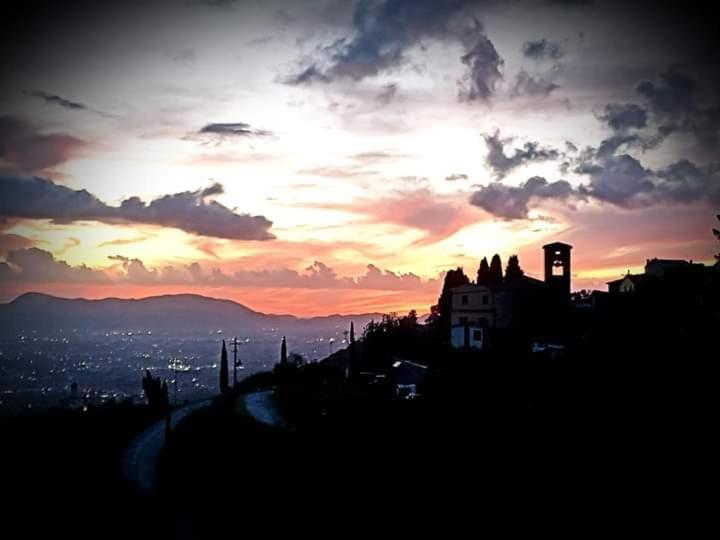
(328, 156)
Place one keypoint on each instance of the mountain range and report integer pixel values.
(185, 314)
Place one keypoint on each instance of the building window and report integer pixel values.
(485, 299)
(463, 320)
(477, 335)
(464, 300)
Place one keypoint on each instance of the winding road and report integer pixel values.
(261, 407)
(139, 462)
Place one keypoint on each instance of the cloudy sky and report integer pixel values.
(319, 156)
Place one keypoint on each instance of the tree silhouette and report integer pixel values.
(716, 232)
(352, 360)
(496, 274)
(156, 392)
(223, 369)
(283, 352)
(483, 273)
(513, 270)
(441, 312)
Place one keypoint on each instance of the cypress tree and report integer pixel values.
(454, 278)
(223, 369)
(513, 270)
(496, 273)
(483, 274)
(283, 352)
(350, 371)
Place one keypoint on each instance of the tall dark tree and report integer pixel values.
(716, 232)
(513, 270)
(156, 392)
(224, 387)
(483, 274)
(283, 352)
(441, 312)
(496, 274)
(352, 359)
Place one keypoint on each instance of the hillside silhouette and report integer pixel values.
(169, 314)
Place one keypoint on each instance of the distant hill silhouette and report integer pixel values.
(169, 314)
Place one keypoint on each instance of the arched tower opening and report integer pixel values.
(557, 268)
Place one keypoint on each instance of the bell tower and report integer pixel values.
(557, 268)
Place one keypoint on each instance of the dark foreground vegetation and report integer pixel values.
(602, 392)
(61, 473)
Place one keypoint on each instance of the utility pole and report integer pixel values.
(236, 363)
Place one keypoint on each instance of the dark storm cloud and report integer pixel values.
(308, 75)
(608, 147)
(383, 33)
(484, 65)
(502, 163)
(57, 100)
(38, 265)
(233, 129)
(623, 181)
(621, 117)
(190, 211)
(542, 49)
(510, 202)
(527, 85)
(11, 242)
(680, 104)
(672, 95)
(54, 99)
(617, 179)
(24, 148)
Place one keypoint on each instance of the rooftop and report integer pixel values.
(554, 245)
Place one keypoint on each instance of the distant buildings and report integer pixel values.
(673, 287)
(662, 273)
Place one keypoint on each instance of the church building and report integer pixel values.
(517, 302)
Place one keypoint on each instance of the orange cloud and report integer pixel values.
(438, 216)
